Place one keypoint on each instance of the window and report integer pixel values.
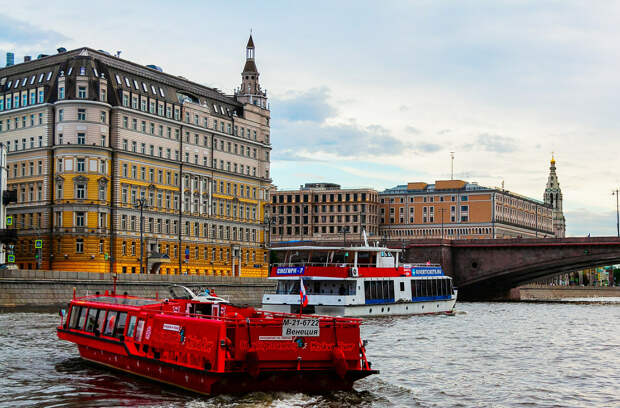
(80, 191)
(61, 115)
(81, 114)
(79, 246)
(81, 165)
(82, 92)
(61, 92)
(81, 139)
(103, 117)
(79, 219)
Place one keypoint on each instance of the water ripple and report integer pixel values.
(487, 355)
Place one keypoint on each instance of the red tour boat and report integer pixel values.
(207, 345)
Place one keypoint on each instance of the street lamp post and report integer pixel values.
(344, 231)
(141, 204)
(615, 192)
(442, 210)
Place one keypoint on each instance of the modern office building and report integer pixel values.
(103, 151)
(456, 209)
(323, 212)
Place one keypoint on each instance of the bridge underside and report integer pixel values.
(488, 269)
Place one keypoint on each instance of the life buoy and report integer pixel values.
(354, 271)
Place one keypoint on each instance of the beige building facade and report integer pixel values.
(90, 135)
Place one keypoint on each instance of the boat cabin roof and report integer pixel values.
(337, 248)
(117, 300)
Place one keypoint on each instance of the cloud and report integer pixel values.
(306, 106)
(492, 143)
(412, 130)
(581, 222)
(26, 38)
(428, 147)
(309, 141)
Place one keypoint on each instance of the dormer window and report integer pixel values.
(118, 79)
(95, 72)
(24, 81)
(68, 72)
(144, 87)
(135, 84)
(127, 82)
(49, 76)
(32, 78)
(82, 71)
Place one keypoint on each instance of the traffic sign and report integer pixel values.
(11, 258)
(9, 220)
(38, 243)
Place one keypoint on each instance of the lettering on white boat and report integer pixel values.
(300, 327)
(172, 327)
(290, 270)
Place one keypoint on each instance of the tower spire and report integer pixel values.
(250, 90)
(553, 198)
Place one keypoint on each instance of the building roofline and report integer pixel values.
(116, 62)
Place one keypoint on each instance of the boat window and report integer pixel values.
(82, 318)
(402, 286)
(132, 325)
(100, 321)
(120, 325)
(139, 329)
(91, 320)
(379, 290)
(110, 321)
(75, 312)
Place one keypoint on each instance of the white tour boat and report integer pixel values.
(357, 281)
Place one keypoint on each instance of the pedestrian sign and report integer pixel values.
(11, 258)
(9, 220)
(38, 243)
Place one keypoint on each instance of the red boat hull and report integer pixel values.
(315, 381)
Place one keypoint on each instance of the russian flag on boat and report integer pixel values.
(302, 293)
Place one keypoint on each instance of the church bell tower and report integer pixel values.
(553, 198)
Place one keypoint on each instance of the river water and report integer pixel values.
(488, 355)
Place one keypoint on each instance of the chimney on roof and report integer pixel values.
(27, 58)
(10, 59)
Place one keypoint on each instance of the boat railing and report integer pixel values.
(331, 265)
(349, 265)
(309, 292)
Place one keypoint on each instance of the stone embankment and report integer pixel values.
(37, 288)
(550, 293)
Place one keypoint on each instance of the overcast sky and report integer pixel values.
(377, 94)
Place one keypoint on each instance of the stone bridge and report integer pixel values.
(487, 269)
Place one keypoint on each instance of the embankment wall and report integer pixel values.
(546, 292)
(37, 288)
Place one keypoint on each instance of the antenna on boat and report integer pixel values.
(365, 237)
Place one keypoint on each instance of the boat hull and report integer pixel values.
(205, 382)
(370, 310)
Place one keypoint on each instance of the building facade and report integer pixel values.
(323, 212)
(455, 209)
(90, 135)
(553, 198)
